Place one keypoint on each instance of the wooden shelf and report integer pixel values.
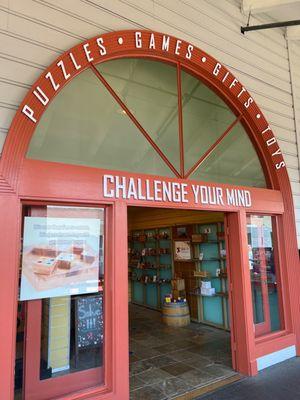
(202, 274)
(204, 259)
(208, 242)
(151, 283)
(217, 294)
(148, 240)
(151, 268)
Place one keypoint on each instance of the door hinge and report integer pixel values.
(234, 346)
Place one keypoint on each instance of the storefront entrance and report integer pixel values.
(179, 303)
(139, 119)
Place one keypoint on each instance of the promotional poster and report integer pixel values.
(60, 257)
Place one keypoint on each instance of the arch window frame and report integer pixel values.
(181, 171)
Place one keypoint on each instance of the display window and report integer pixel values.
(62, 295)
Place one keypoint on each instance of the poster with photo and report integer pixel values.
(182, 250)
(61, 256)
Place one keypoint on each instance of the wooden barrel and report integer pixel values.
(176, 314)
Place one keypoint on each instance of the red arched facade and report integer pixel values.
(25, 181)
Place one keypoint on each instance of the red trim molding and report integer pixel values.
(270, 345)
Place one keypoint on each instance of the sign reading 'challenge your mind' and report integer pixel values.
(121, 187)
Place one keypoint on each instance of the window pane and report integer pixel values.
(84, 125)
(63, 264)
(72, 334)
(149, 90)
(233, 161)
(263, 273)
(205, 118)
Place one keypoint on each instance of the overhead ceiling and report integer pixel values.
(276, 10)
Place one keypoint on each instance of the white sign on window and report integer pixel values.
(60, 257)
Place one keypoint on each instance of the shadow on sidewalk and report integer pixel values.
(280, 382)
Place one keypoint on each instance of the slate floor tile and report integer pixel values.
(172, 386)
(147, 393)
(154, 376)
(196, 378)
(177, 369)
(140, 366)
(218, 370)
(162, 360)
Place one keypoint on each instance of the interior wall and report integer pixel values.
(33, 33)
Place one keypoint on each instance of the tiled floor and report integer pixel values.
(166, 362)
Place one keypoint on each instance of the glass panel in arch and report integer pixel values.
(84, 125)
(233, 161)
(205, 118)
(149, 90)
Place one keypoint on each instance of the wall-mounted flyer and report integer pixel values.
(60, 257)
(182, 250)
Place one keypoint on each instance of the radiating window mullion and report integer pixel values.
(134, 120)
(180, 122)
(212, 147)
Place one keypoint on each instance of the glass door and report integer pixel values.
(263, 267)
(62, 288)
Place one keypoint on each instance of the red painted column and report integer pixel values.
(9, 264)
(243, 327)
(120, 303)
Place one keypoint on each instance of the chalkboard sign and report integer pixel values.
(89, 321)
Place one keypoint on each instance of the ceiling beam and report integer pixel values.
(262, 6)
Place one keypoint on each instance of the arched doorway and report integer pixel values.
(38, 168)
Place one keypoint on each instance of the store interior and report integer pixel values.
(179, 325)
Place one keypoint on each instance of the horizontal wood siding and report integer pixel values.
(294, 57)
(34, 33)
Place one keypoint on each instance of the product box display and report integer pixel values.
(199, 237)
(201, 274)
(206, 284)
(208, 291)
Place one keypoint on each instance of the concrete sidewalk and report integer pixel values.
(280, 382)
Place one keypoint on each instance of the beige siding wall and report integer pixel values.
(34, 33)
(294, 57)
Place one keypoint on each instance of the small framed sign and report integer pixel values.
(182, 250)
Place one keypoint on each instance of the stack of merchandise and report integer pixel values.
(206, 289)
(169, 298)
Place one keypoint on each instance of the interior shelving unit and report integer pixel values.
(150, 266)
(212, 310)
